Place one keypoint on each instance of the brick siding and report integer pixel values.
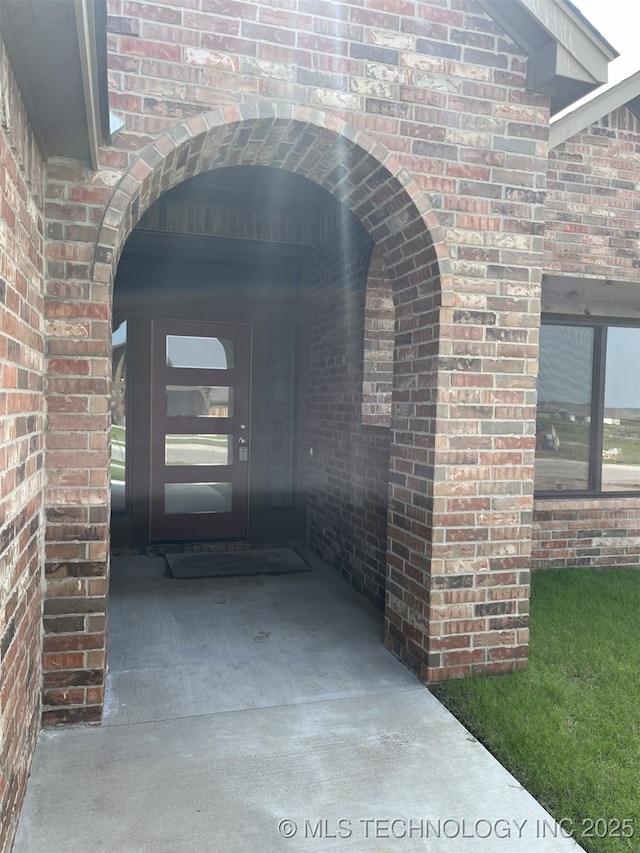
(349, 468)
(414, 115)
(593, 206)
(21, 446)
(573, 532)
(443, 160)
(377, 375)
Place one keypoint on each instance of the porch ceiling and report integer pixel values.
(256, 187)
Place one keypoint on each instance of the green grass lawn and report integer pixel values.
(568, 727)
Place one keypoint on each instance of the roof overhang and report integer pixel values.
(626, 93)
(58, 54)
(568, 58)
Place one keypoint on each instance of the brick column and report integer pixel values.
(461, 482)
(77, 399)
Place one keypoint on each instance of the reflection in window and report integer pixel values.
(199, 353)
(196, 498)
(588, 438)
(118, 418)
(564, 408)
(199, 401)
(198, 449)
(621, 418)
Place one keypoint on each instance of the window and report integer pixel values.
(588, 419)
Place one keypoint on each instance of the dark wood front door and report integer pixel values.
(200, 430)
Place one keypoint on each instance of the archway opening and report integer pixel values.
(217, 450)
(239, 316)
(364, 483)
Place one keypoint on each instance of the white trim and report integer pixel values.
(610, 99)
(568, 57)
(86, 28)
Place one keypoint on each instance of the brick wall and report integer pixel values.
(349, 468)
(593, 207)
(377, 378)
(586, 533)
(21, 446)
(443, 160)
(592, 230)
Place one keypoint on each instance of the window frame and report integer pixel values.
(600, 328)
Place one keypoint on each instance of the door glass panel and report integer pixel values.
(199, 353)
(563, 422)
(621, 421)
(199, 401)
(198, 449)
(195, 498)
(118, 418)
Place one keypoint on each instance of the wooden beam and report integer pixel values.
(590, 297)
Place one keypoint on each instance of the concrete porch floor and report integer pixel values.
(261, 714)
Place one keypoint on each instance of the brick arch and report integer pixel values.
(398, 217)
(328, 151)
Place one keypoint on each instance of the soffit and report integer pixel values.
(57, 51)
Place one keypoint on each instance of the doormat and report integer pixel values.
(230, 564)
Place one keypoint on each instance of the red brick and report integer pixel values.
(151, 49)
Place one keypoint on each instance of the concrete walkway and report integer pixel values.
(253, 715)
